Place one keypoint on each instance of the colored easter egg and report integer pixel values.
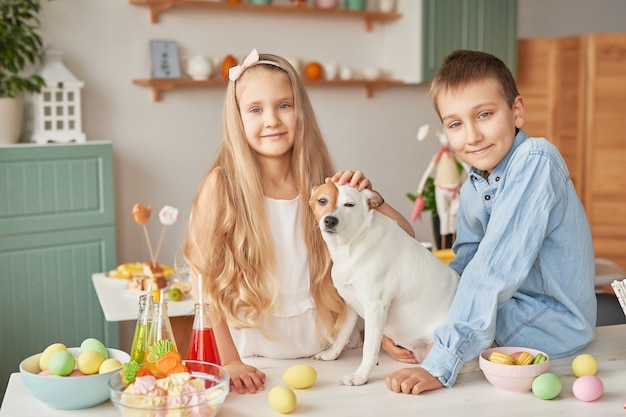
(584, 364)
(109, 365)
(94, 344)
(49, 351)
(588, 388)
(89, 362)
(282, 399)
(547, 386)
(300, 376)
(61, 363)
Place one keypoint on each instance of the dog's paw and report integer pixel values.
(353, 379)
(326, 355)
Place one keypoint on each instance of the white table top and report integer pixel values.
(471, 396)
(120, 304)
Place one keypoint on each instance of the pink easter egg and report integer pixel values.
(588, 388)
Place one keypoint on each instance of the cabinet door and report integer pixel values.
(484, 25)
(605, 147)
(56, 230)
(550, 77)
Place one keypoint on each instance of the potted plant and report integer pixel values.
(20, 47)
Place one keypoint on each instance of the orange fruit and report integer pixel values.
(228, 62)
(313, 70)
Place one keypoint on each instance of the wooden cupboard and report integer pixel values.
(575, 92)
(56, 230)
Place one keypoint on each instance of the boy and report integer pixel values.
(523, 248)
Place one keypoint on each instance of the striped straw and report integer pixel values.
(619, 287)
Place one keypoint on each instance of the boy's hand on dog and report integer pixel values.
(244, 377)
(398, 353)
(355, 178)
(412, 381)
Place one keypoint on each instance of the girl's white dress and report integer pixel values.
(293, 323)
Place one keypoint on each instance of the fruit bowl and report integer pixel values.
(189, 401)
(69, 392)
(516, 378)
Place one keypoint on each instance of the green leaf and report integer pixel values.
(20, 46)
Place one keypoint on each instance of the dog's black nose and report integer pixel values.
(330, 221)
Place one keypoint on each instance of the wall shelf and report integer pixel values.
(159, 85)
(159, 6)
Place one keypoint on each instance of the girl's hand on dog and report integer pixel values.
(354, 178)
(244, 377)
(398, 353)
(412, 381)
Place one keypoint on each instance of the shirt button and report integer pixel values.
(487, 197)
(497, 178)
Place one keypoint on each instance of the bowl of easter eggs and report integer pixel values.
(169, 386)
(72, 378)
(513, 368)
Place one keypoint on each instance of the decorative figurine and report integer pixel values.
(447, 183)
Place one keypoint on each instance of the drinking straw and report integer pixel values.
(619, 288)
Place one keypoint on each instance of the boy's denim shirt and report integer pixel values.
(525, 256)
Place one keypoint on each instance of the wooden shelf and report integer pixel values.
(159, 85)
(370, 17)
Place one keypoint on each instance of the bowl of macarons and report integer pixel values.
(513, 368)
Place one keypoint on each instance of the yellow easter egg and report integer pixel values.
(89, 362)
(49, 351)
(300, 376)
(94, 344)
(584, 364)
(282, 399)
(109, 365)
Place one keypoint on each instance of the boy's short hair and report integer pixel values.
(463, 66)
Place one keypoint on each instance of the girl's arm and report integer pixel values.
(242, 376)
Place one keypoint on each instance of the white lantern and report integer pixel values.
(56, 109)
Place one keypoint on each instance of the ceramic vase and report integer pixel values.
(326, 4)
(387, 6)
(356, 4)
(11, 116)
(199, 68)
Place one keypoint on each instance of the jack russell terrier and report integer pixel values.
(391, 280)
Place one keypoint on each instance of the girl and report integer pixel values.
(252, 236)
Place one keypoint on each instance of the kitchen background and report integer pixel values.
(162, 149)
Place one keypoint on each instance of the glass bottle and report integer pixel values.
(142, 328)
(160, 329)
(202, 346)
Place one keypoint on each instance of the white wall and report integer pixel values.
(162, 149)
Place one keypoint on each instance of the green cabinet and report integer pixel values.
(484, 25)
(57, 228)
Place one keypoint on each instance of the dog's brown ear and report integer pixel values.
(374, 200)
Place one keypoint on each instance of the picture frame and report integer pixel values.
(165, 61)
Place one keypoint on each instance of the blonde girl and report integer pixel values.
(252, 236)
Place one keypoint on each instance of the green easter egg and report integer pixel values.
(61, 363)
(547, 386)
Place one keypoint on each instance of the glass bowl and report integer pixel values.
(205, 402)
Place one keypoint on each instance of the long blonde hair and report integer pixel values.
(230, 244)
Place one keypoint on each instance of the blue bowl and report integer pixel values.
(68, 393)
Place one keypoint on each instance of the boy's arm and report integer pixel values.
(514, 224)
